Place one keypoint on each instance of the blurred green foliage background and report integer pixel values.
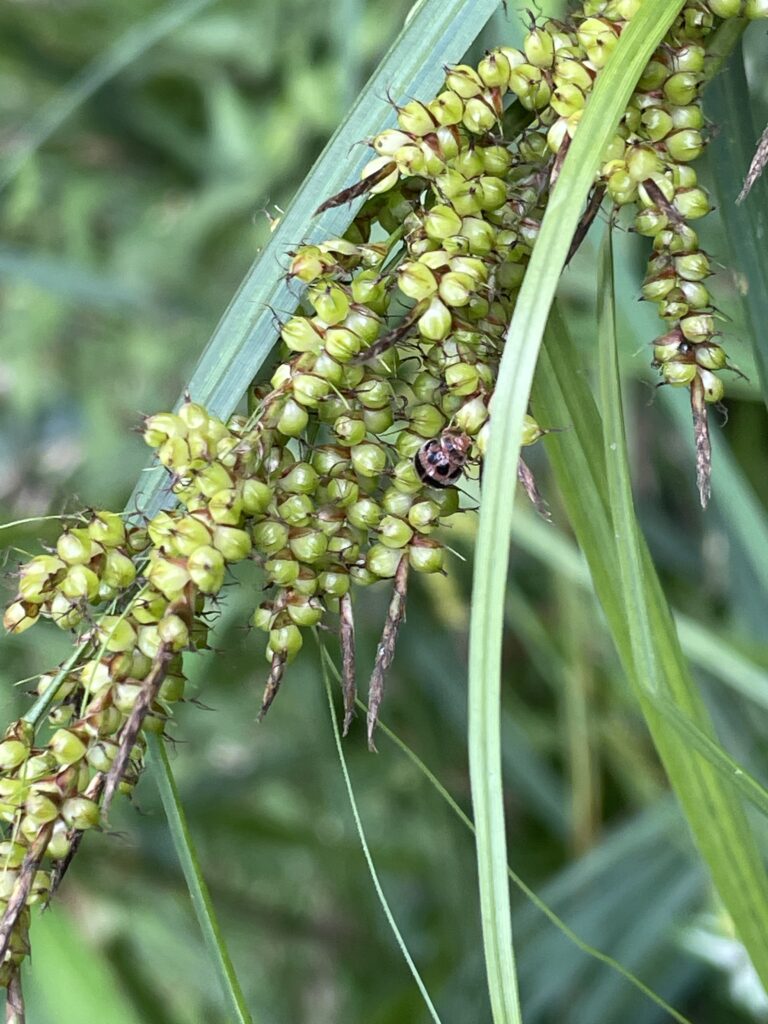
(123, 237)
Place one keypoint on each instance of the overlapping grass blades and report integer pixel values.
(629, 557)
(709, 800)
(633, 584)
(607, 102)
(746, 225)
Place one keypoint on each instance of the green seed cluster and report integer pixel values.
(661, 134)
(647, 167)
(397, 344)
(482, 196)
(319, 485)
(53, 780)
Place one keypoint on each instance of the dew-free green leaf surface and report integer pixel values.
(711, 804)
(608, 100)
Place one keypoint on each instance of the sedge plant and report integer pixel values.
(341, 470)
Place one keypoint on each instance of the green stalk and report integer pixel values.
(607, 103)
(198, 890)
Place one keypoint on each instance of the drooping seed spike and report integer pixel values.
(526, 478)
(21, 889)
(354, 191)
(703, 443)
(275, 677)
(385, 652)
(347, 640)
(150, 687)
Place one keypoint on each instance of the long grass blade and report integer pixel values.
(198, 890)
(728, 103)
(136, 41)
(710, 802)
(632, 583)
(607, 102)
(324, 659)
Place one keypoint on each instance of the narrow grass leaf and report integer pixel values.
(606, 104)
(198, 890)
(631, 579)
(324, 662)
(709, 801)
(728, 103)
(721, 761)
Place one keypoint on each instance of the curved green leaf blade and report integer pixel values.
(606, 104)
(632, 583)
(709, 800)
(746, 224)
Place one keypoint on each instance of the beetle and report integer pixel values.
(441, 461)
